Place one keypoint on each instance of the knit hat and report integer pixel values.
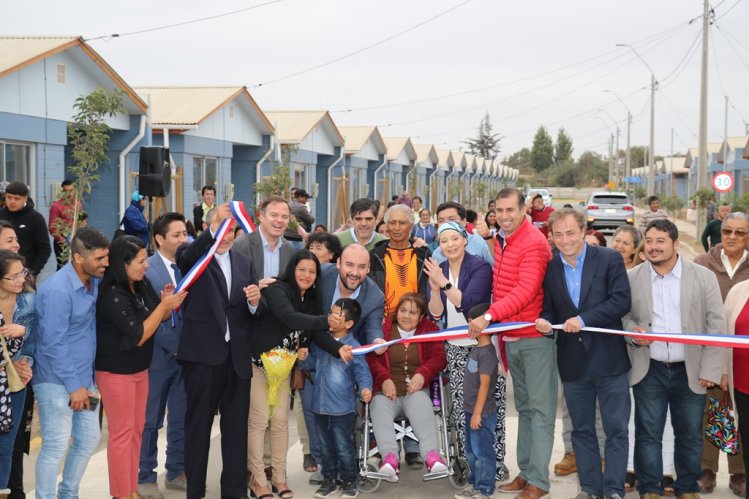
(450, 225)
(137, 197)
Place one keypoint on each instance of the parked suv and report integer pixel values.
(545, 194)
(609, 210)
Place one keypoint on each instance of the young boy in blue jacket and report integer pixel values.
(334, 403)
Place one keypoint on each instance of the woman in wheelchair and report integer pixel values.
(401, 380)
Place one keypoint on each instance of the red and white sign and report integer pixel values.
(723, 182)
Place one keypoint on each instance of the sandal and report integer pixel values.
(283, 494)
(310, 466)
(630, 481)
(667, 484)
(267, 495)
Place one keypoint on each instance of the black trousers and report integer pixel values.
(742, 411)
(209, 388)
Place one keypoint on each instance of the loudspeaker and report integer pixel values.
(154, 174)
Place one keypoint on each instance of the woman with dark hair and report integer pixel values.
(594, 238)
(128, 313)
(325, 246)
(401, 380)
(8, 237)
(626, 241)
(294, 318)
(491, 222)
(17, 324)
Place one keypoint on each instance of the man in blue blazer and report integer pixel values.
(588, 286)
(165, 386)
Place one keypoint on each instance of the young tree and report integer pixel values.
(88, 137)
(521, 160)
(486, 143)
(542, 153)
(563, 147)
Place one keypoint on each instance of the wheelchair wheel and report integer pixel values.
(459, 475)
(366, 484)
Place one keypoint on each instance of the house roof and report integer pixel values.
(444, 158)
(746, 149)
(395, 145)
(191, 105)
(293, 126)
(693, 152)
(734, 144)
(358, 136)
(18, 52)
(424, 151)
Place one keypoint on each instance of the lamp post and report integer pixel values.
(611, 146)
(651, 147)
(627, 164)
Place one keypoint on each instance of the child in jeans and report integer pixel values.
(334, 403)
(481, 413)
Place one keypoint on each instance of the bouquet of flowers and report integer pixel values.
(277, 364)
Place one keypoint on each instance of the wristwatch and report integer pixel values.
(448, 285)
(488, 318)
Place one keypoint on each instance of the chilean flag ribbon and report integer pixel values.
(241, 217)
(509, 328)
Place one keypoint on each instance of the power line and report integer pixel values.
(687, 57)
(363, 49)
(730, 44)
(727, 10)
(192, 21)
(717, 67)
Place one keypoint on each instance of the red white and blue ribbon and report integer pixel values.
(510, 329)
(241, 216)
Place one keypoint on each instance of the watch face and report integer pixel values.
(488, 317)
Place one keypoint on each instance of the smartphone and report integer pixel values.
(93, 401)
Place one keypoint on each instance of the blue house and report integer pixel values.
(40, 79)
(216, 136)
(314, 147)
(736, 161)
(452, 181)
(444, 168)
(365, 154)
(426, 166)
(401, 167)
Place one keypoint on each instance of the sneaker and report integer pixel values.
(179, 483)
(327, 489)
(149, 491)
(316, 477)
(349, 491)
(468, 493)
(390, 467)
(435, 463)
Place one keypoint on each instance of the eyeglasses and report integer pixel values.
(731, 232)
(20, 277)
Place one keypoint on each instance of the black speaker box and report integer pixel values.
(154, 174)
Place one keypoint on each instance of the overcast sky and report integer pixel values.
(526, 62)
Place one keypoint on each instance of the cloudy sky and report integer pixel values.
(430, 69)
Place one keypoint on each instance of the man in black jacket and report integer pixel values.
(214, 351)
(31, 228)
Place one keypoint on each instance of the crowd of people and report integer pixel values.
(108, 329)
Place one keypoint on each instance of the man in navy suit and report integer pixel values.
(588, 286)
(165, 386)
(214, 351)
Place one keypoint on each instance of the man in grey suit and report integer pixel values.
(165, 385)
(269, 251)
(671, 295)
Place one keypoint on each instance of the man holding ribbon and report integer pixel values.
(214, 351)
(670, 294)
(587, 286)
(521, 255)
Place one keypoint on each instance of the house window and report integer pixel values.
(299, 175)
(15, 162)
(396, 189)
(204, 172)
(359, 188)
(61, 74)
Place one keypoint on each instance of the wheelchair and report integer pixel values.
(370, 478)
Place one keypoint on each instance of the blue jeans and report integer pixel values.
(337, 446)
(480, 453)
(309, 420)
(58, 424)
(667, 386)
(612, 393)
(7, 440)
(165, 389)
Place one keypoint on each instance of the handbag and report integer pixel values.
(14, 380)
(720, 427)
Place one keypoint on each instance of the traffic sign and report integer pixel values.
(632, 180)
(723, 181)
(611, 184)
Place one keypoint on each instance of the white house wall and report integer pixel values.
(20, 91)
(239, 129)
(369, 151)
(318, 141)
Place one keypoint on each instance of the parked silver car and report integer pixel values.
(609, 210)
(545, 195)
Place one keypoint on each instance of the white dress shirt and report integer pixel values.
(224, 261)
(666, 313)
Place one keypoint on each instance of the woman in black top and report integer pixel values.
(128, 313)
(295, 316)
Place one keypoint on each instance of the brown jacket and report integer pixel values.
(712, 261)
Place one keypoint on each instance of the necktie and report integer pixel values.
(177, 273)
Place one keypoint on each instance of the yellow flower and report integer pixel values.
(277, 364)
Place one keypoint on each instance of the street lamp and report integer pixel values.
(651, 147)
(611, 146)
(627, 165)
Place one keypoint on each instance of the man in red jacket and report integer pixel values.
(521, 254)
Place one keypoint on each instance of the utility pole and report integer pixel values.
(628, 160)
(611, 157)
(671, 168)
(702, 154)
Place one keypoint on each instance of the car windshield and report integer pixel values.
(610, 200)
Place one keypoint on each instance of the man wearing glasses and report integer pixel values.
(728, 261)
